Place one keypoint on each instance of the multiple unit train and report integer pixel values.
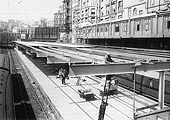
(47, 33)
(144, 31)
(39, 33)
(6, 94)
(145, 85)
(7, 39)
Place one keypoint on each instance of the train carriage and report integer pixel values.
(7, 39)
(144, 85)
(46, 33)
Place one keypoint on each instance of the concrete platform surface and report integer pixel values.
(68, 102)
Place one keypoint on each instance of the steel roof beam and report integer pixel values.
(120, 68)
(52, 54)
(83, 59)
(54, 60)
(126, 56)
(87, 55)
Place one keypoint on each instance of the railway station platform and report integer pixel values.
(66, 101)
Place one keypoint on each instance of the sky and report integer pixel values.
(28, 10)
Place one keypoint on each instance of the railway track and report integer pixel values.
(27, 103)
(98, 97)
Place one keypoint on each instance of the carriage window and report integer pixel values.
(150, 82)
(116, 27)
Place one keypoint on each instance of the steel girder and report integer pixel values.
(116, 68)
(83, 59)
(54, 60)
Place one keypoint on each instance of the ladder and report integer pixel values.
(104, 97)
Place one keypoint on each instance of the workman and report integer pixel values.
(108, 58)
(63, 74)
(56, 72)
(78, 81)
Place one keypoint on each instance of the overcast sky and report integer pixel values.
(28, 10)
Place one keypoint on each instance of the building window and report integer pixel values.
(138, 25)
(124, 26)
(102, 13)
(107, 18)
(152, 2)
(120, 6)
(97, 29)
(166, 0)
(92, 12)
(129, 12)
(101, 29)
(86, 19)
(116, 27)
(120, 16)
(92, 17)
(106, 28)
(107, 9)
(147, 24)
(113, 7)
(134, 12)
(101, 19)
(167, 23)
(159, 118)
(140, 12)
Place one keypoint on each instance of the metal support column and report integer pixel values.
(104, 97)
(161, 89)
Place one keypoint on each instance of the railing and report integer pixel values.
(154, 114)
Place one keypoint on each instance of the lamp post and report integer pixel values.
(134, 86)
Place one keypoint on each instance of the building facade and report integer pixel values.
(110, 20)
(58, 19)
(50, 23)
